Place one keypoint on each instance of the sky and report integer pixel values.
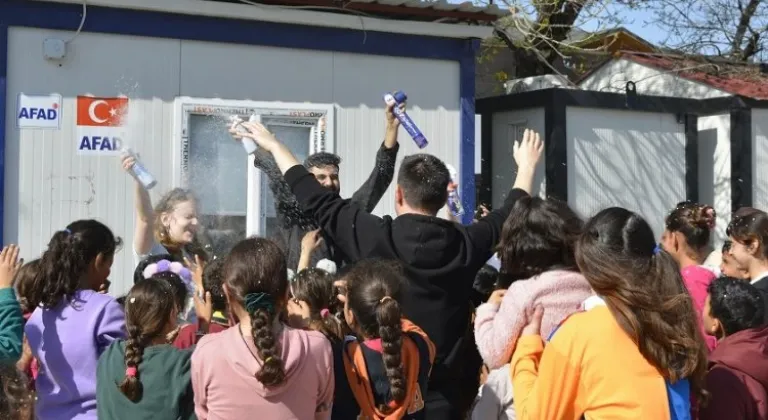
(637, 21)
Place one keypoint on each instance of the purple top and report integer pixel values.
(68, 341)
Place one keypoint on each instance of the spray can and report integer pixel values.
(454, 201)
(398, 98)
(139, 172)
(249, 144)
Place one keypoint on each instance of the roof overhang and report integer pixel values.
(288, 15)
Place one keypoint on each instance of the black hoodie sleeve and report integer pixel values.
(352, 229)
(369, 194)
(485, 234)
(287, 208)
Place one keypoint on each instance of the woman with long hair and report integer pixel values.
(638, 353)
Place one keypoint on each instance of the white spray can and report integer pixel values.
(139, 172)
(248, 143)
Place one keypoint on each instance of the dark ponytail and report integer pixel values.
(374, 290)
(69, 253)
(388, 317)
(149, 308)
(256, 276)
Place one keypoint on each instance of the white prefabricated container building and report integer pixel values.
(180, 67)
(663, 75)
(600, 150)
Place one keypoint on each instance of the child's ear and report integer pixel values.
(717, 328)
(99, 262)
(399, 196)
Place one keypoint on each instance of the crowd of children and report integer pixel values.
(574, 319)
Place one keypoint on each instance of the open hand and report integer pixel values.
(197, 267)
(528, 151)
(258, 133)
(533, 317)
(9, 265)
(203, 306)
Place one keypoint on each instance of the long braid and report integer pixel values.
(388, 317)
(134, 352)
(272, 372)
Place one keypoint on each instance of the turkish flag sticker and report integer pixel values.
(101, 112)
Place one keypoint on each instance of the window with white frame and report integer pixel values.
(234, 199)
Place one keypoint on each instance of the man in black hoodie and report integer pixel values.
(440, 257)
(294, 223)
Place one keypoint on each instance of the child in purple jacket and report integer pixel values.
(74, 323)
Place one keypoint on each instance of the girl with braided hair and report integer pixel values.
(260, 366)
(387, 367)
(73, 323)
(144, 376)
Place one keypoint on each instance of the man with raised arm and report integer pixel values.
(294, 223)
(440, 258)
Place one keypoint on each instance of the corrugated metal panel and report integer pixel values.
(622, 158)
(760, 157)
(507, 128)
(48, 185)
(715, 169)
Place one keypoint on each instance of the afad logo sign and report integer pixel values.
(100, 124)
(38, 111)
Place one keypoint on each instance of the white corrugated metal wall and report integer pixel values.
(715, 169)
(48, 185)
(760, 158)
(714, 131)
(629, 159)
(508, 127)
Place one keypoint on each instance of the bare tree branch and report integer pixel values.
(540, 32)
(729, 28)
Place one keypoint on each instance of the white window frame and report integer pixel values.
(293, 113)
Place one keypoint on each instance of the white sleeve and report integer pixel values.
(494, 396)
(156, 249)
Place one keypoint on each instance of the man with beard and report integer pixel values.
(294, 223)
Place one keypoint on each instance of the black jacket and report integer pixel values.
(295, 223)
(440, 257)
(762, 286)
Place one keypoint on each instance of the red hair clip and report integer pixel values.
(131, 371)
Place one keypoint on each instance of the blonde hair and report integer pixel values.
(167, 204)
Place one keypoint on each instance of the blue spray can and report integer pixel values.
(454, 201)
(397, 98)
